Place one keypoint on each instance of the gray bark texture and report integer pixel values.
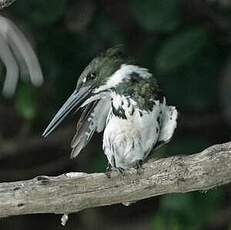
(5, 3)
(73, 192)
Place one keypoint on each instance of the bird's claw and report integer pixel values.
(108, 171)
(139, 167)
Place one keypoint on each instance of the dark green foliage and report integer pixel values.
(42, 13)
(181, 49)
(187, 211)
(26, 102)
(107, 31)
(158, 15)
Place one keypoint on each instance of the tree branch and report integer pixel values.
(73, 192)
(5, 3)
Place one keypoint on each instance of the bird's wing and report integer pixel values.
(92, 119)
(102, 110)
(167, 123)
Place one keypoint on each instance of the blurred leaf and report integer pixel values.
(107, 31)
(18, 57)
(158, 223)
(209, 202)
(100, 162)
(177, 203)
(187, 211)
(193, 87)
(42, 12)
(157, 15)
(181, 49)
(188, 145)
(26, 102)
(149, 48)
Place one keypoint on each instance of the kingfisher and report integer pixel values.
(123, 100)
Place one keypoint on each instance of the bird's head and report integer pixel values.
(101, 68)
(111, 71)
(100, 76)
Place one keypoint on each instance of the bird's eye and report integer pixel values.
(91, 76)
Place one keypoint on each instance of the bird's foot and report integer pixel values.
(108, 171)
(139, 167)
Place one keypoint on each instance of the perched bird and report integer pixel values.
(125, 101)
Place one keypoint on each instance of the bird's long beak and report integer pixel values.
(74, 101)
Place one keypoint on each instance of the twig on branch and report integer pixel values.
(5, 3)
(73, 192)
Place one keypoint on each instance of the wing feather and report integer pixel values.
(92, 119)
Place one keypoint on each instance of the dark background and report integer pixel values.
(185, 44)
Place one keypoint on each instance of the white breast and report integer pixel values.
(127, 141)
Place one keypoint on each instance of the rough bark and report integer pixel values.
(73, 192)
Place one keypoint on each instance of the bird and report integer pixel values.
(123, 100)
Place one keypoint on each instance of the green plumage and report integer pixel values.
(103, 66)
(144, 91)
